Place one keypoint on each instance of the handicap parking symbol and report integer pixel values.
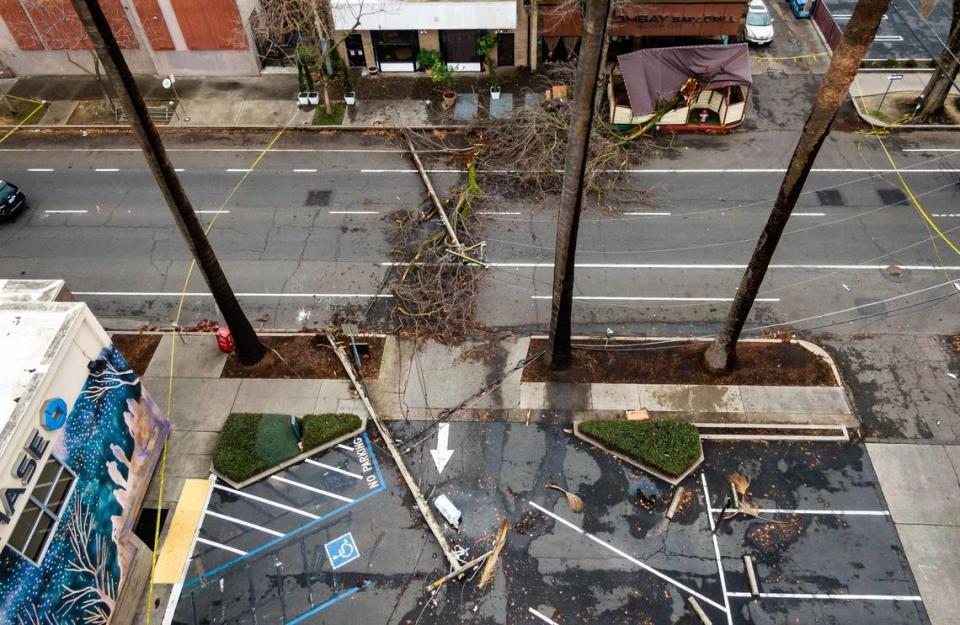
(342, 550)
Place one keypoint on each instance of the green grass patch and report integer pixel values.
(252, 443)
(335, 118)
(319, 429)
(670, 447)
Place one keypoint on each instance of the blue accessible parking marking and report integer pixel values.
(342, 550)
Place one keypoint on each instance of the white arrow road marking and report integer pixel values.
(441, 455)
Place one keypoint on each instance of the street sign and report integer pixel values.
(894, 76)
(342, 550)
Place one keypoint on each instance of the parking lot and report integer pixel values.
(824, 546)
(903, 33)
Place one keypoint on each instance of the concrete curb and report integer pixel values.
(673, 481)
(252, 127)
(292, 461)
(873, 121)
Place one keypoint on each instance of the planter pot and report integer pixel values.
(350, 98)
(315, 76)
(449, 99)
(313, 98)
(494, 93)
(303, 99)
(428, 71)
(373, 70)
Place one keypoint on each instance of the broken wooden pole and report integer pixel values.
(751, 575)
(395, 453)
(677, 496)
(433, 194)
(457, 572)
(699, 611)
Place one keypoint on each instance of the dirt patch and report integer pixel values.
(137, 349)
(94, 112)
(305, 356)
(759, 364)
(421, 87)
(23, 110)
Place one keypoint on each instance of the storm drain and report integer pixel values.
(830, 197)
(320, 197)
(890, 197)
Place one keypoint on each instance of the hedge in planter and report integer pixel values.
(252, 443)
(323, 428)
(670, 447)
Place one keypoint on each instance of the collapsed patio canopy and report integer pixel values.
(654, 76)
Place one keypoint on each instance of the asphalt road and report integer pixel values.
(904, 32)
(97, 221)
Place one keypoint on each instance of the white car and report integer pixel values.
(759, 26)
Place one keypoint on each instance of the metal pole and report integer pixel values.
(880, 106)
(249, 348)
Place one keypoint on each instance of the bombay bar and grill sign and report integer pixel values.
(656, 19)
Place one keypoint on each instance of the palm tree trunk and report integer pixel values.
(571, 195)
(934, 95)
(721, 355)
(249, 348)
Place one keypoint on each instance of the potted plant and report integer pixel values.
(308, 94)
(349, 94)
(426, 59)
(445, 78)
(485, 45)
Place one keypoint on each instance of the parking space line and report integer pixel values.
(211, 543)
(333, 468)
(716, 550)
(231, 519)
(630, 558)
(832, 596)
(312, 489)
(827, 512)
(542, 617)
(344, 447)
(266, 501)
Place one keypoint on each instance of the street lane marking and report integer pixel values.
(542, 617)
(628, 557)
(521, 265)
(930, 149)
(200, 150)
(312, 489)
(212, 212)
(809, 214)
(333, 468)
(65, 212)
(946, 215)
(238, 170)
(178, 169)
(39, 169)
(716, 551)
(231, 519)
(839, 597)
(197, 294)
(888, 38)
(619, 298)
(211, 543)
(269, 502)
(304, 171)
(827, 512)
(648, 214)
(107, 169)
(498, 212)
(354, 212)
(709, 170)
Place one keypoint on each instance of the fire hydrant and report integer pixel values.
(224, 339)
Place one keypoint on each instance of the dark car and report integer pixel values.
(12, 201)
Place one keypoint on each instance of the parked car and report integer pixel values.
(759, 26)
(12, 201)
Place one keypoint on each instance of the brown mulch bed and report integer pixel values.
(137, 349)
(304, 356)
(760, 364)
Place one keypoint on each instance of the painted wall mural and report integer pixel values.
(111, 441)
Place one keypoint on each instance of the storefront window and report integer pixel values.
(42, 509)
(396, 46)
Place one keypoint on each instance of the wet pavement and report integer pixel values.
(825, 548)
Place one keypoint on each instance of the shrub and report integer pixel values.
(319, 429)
(670, 447)
(442, 76)
(252, 443)
(426, 59)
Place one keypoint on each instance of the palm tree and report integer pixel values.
(249, 348)
(721, 355)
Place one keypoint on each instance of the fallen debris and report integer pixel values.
(459, 571)
(573, 500)
(487, 575)
(677, 496)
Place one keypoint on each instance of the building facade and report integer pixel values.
(79, 440)
(159, 37)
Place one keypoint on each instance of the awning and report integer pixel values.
(653, 76)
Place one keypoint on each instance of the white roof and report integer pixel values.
(32, 328)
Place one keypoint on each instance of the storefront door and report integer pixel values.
(396, 50)
(355, 54)
(459, 48)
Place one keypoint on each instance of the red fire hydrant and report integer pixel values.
(225, 339)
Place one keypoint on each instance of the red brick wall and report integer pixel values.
(19, 24)
(154, 24)
(56, 26)
(210, 25)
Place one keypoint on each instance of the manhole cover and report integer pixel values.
(318, 198)
(830, 197)
(890, 197)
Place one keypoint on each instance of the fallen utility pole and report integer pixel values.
(433, 194)
(422, 503)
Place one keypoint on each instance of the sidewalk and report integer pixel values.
(268, 100)
(867, 94)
